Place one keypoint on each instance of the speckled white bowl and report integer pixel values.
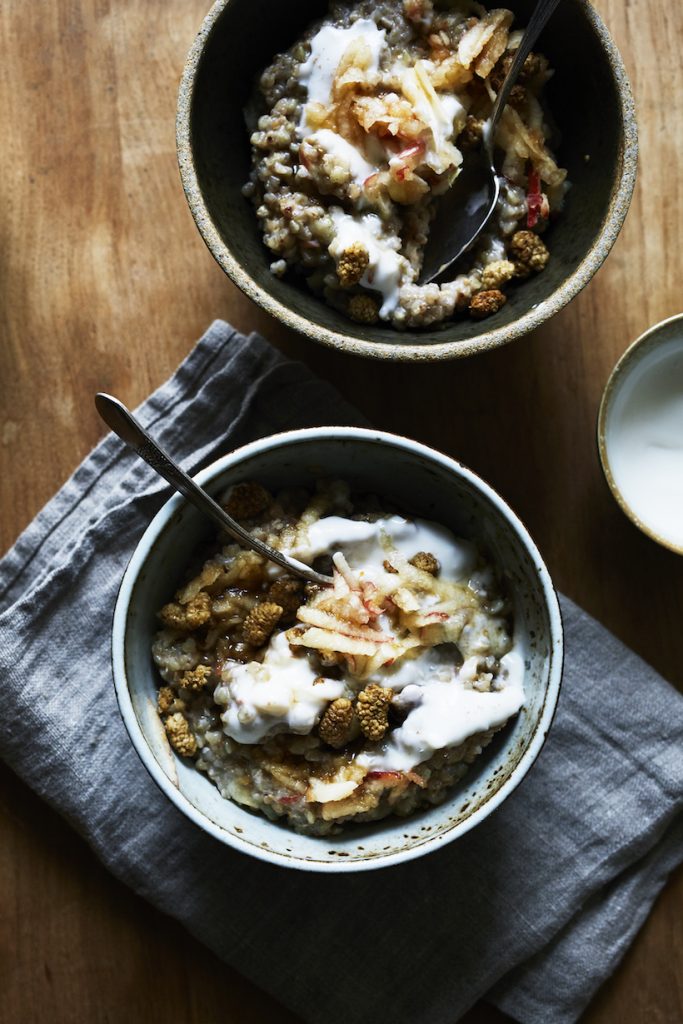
(422, 482)
(664, 338)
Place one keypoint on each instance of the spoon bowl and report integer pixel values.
(463, 213)
(465, 210)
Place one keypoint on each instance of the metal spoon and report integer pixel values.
(123, 423)
(465, 210)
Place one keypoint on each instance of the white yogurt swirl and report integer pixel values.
(435, 685)
(282, 694)
(327, 49)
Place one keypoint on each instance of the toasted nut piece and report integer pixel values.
(336, 723)
(363, 309)
(260, 623)
(533, 65)
(165, 699)
(497, 273)
(178, 732)
(529, 249)
(471, 135)
(186, 617)
(517, 95)
(530, 68)
(372, 709)
(247, 500)
(388, 567)
(352, 264)
(486, 303)
(195, 679)
(426, 561)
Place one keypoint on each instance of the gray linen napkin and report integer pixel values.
(534, 907)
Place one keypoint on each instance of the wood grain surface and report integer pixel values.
(106, 283)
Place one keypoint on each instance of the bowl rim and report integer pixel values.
(620, 200)
(627, 362)
(139, 558)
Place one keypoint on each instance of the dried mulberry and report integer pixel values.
(180, 736)
(363, 309)
(426, 561)
(247, 501)
(352, 264)
(165, 699)
(289, 594)
(336, 723)
(195, 679)
(486, 303)
(527, 248)
(186, 617)
(497, 273)
(260, 623)
(372, 709)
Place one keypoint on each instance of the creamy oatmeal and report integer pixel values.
(322, 706)
(365, 122)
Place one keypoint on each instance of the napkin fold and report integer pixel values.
(533, 908)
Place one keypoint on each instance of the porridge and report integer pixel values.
(359, 127)
(319, 706)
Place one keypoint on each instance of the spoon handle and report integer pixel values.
(124, 424)
(542, 11)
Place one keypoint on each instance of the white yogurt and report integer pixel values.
(644, 438)
(327, 49)
(428, 665)
(367, 545)
(279, 695)
(437, 111)
(337, 146)
(386, 267)
(444, 712)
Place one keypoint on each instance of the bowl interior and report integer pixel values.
(429, 488)
(660, 346)
(241, 38)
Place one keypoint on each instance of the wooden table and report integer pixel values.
(106, 284)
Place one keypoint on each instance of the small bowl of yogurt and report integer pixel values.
(640, 433)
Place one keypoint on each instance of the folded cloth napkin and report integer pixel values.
(534, 907)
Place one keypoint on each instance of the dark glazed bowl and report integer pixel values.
(591, 102)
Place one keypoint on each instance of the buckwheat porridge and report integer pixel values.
(319, 706)
(365, 122)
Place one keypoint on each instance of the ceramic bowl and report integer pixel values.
(591, 102)
(648, 375)
(418, 480)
